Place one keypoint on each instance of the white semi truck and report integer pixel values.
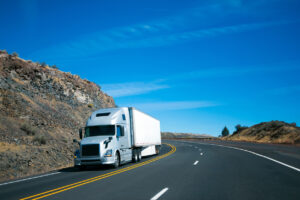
(114, 136)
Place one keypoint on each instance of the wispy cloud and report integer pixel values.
(128, 37)
(175, 105)
(186, 26)
(132, 88)
(137, 88)
(216, 72)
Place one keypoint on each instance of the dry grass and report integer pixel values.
(29, 100)
(11, 147)
(283, 139)
(18, 81)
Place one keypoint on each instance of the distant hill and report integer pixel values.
(41, 109)
(170, 135)
(268, 132)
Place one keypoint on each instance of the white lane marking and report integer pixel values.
(266, 157)
(159, 194)
(257, 154)
(196, 162)
(21, 180)
(201, 154)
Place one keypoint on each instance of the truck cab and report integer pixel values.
(105, 139)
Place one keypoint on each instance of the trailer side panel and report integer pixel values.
(146, 129)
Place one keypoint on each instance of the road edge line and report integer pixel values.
(30, 178)
(254, 153)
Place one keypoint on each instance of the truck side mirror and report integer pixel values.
(80, 133)
(110, 138)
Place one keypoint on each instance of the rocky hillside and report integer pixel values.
(170, 135)
(268, 132)
(41, 110)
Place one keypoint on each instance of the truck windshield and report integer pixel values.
(91, 131)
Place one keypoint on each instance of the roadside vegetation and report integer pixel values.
(225, 132)
(266, 132)
(28, 129)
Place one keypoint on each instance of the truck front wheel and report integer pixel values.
(139, 153)
(117, 161)
(135, 155)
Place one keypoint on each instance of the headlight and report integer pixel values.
(77, 154)
(108, 153)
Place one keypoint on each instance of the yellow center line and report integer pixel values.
(90, 180)
(111, 173)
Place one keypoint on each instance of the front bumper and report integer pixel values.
(93, 161)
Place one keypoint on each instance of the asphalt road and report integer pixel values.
(184, 170)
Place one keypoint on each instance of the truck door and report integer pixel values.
(123, 142)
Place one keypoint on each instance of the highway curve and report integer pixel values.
(183, 170)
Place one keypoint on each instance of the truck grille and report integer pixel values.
(90, 150)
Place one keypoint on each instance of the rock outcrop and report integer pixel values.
(41, 110)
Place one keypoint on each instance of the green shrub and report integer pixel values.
(239, 128)
(90, 105)
(14, 54)
(43, 64)
(28, 129)
(40, 139)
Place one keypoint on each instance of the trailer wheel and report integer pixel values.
(134, 156)
(157, 149)
(117, 161)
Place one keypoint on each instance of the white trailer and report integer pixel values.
(117, 135)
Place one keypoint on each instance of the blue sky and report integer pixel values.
(195, 65)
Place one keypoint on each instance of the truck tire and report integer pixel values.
(134, 156)
(139, 153)
(117, 161)
(157, 149)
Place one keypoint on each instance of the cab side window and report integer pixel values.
(120, 131)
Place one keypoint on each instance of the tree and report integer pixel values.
(14, 54)
(54, 67)
(225, 131)
(239, 128)
(43, 64)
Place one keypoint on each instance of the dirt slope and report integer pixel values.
(41, 110)
(170, 135)
(268, 132)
